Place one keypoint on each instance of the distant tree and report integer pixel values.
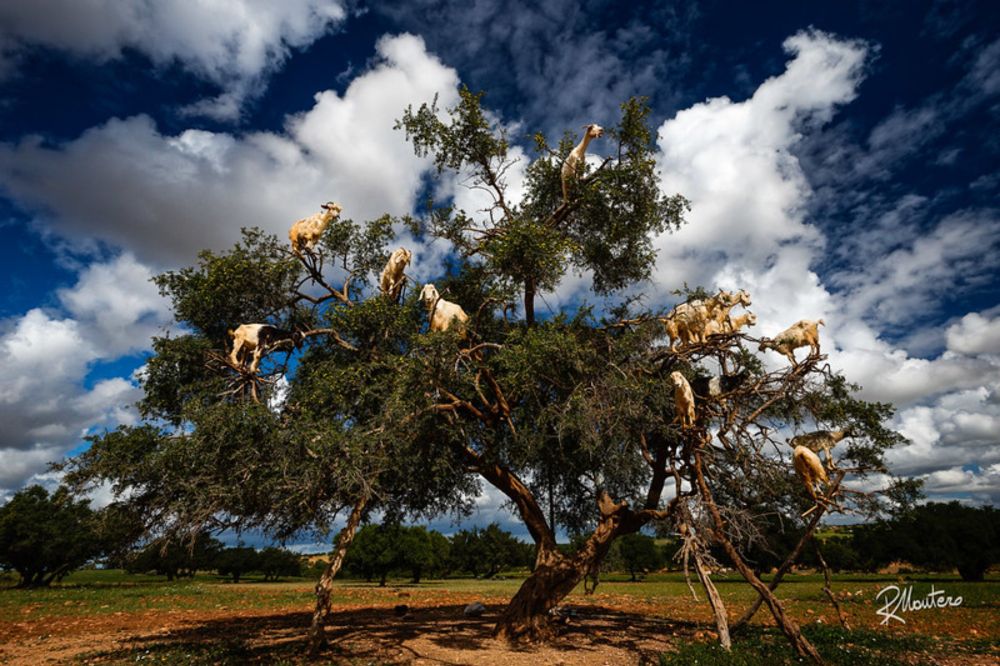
(486, 552)
(839, 554)
(639, 554)
(414, 551)
(277, 563)
(45, 537)
(935, 536)
(441, 548)
(237, 561)
(175, 556)
(372, 554)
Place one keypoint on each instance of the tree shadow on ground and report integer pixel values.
(437, 634)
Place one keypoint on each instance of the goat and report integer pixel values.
(576, 157)
(256, 339)
(821, 440)
(731, 325)
(726, 304)
(306, 232)
(683, 400)
(695, 320)
(799, 334)
(391, 280)
(809, 469)
(441, 313)
(686, 322)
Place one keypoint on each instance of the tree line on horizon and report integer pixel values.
(44, 537)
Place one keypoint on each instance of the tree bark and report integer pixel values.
(529, 301)
(526, 618)
(791, 630)
(317, 638)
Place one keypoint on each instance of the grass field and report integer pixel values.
(112, 617)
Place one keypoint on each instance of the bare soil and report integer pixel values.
(425, 635)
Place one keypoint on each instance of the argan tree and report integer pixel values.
(570, 415)
(45, 537)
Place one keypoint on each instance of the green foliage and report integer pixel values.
(277, 563)
(639, 554)
(606, 227)
(45, 537)
(487, 552)
(936, 536)
(559, 413)
(249, 284)
(380, 550)
(237, 561)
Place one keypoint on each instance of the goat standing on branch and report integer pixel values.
(810, 470)
(821, 440)
(305, 233)
(392, 279)
(257, 339)
(574, 160)
(683, 399)
(441, 313)
(800, 334)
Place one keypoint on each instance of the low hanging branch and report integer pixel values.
(802, 646)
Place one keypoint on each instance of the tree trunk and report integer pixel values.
(526, 617)
(317, 638)
(529, 301)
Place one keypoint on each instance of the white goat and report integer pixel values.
(809, 469)
(821, 440)
(683, 400)
(731, 325)
(392, 279)
(441, 313)
(576, 156)
(686, 322)
(306, 232)
(800, 334)
(695, 320)
(256, 339)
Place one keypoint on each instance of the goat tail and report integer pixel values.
(820, 322)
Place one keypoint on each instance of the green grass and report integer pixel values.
(768, 647)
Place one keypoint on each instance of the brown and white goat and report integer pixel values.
(256, 339)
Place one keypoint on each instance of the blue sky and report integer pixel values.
(841, 157)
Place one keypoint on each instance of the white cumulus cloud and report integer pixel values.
(166, 197)
(234, 44)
